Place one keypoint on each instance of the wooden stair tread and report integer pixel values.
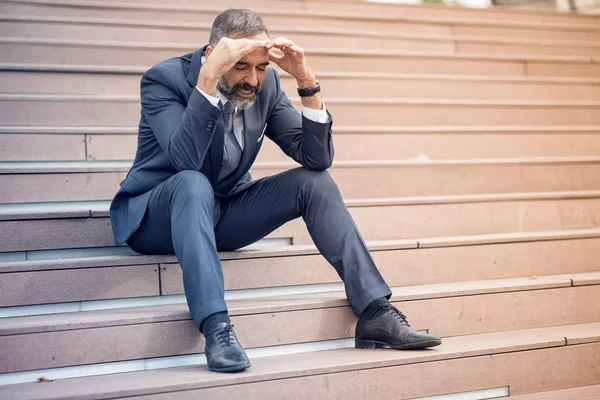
(29, 211)
(578, 393)
(150, 314)
(139, 70)
(310, 51)
(384, 16)
(291, 30)
(282, 367)
(132, 130)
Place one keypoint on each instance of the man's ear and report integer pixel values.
(208, 50)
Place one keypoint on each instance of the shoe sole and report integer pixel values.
(373, 344)
(235, 368)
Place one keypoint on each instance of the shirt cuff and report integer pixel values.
(320, 116)
(213, 100)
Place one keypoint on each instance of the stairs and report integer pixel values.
(467, 150)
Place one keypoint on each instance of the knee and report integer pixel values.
(192, 185)
(316, 181)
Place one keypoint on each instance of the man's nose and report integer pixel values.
(251, 78)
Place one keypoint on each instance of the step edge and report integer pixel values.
(120, 70)
(342, 129)
(482, 345)
(264, 306)
(500, 57)
(371, 16)
(157, 24)
(100, 209)
(294, 251)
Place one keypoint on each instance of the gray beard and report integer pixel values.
(230, 93)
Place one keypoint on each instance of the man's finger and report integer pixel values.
(275, 57)
(250, 46)
(281, 42)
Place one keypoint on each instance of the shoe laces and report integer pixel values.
(396, 313)
(225, 336)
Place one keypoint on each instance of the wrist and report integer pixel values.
(305, 83)
(207, 83)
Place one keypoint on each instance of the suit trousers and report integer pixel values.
(180, 219)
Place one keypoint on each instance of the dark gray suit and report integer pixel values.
(172, 202)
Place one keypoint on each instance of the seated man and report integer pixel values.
(204, 118)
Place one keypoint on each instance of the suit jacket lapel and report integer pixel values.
(215, 153)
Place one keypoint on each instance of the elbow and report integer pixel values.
(318, 165)
(184, 160)
(325, 161)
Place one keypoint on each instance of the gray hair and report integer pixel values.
(236, 23)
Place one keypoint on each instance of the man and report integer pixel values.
(204, 118)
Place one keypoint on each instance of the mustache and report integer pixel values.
(243, 86)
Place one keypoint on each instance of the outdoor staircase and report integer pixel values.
(467, 150)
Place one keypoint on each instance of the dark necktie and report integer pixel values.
(232, 152)
(228, 111)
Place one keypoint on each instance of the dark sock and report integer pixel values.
(214, 319)
(373, 308)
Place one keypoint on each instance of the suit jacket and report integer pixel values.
(181, 130)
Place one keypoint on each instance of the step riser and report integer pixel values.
(405, 222)
(578, 393)
(127, 113)
(374, 9)
(330, 22)
(84, 55)
(116, 84)
(512, 369)
(398, 267)
(532, 33)
(354, 182)
(82, 31)
(375, 223)
(348, 147)
(504, 311)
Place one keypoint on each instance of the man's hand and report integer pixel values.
(294, 63)
(223, 57)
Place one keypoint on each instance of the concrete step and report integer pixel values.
(83, 282)
(577, 393)
(86, 52)
(378, 219)
(53, 341)
(424, 10)
(118, 80)
(85, 181)
(113, 110)
(23, 143)
(161, 32)
(560, 356)
(318, 15)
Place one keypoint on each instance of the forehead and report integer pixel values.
(259, 55)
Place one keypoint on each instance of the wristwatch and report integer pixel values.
(311, 91)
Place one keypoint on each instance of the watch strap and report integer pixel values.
(311, 91)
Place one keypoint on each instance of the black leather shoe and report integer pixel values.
(223, 351)
(389, 328)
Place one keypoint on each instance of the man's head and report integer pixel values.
(243, 82)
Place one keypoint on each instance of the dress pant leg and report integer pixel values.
(254, 213)
(179, 220)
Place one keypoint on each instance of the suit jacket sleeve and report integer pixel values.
(308, 142)
(183, 132)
